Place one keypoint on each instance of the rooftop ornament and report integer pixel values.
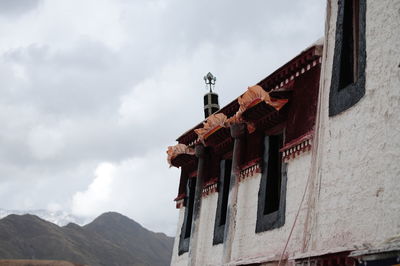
(257, 94)
(253, 97)
(179, 150)
(210, 80)
(213, 124)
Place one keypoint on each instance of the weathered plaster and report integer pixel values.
(357, 198)
(354, 194)
(270, 243)
(248, 245)
(211, 254)
(182, 259)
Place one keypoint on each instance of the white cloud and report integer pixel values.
(53, 207)
(134, 187)
(96, 198)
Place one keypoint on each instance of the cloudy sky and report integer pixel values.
(92, 92)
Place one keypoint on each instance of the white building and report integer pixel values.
(304, 168)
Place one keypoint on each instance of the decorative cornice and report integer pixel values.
(179, 149)
(211, 125)
(255, 104)
(210, 187)
(297, 146)
(294, 68)
(257, 94)
(250, 169)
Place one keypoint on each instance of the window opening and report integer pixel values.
(272, 195)
(349, 60)
(184, 239)
(190, 201)
(272, 191)
(227, 166)
(349, 55)
(223, 197)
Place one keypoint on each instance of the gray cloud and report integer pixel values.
(116, 83)
(12, 8)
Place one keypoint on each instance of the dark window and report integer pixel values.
(348, 72)
(187, 222)
(272, 192)
(222, 205)
(189, 205)
(349, 55)
(227, 166)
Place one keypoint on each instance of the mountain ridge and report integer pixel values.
(58, 217)
(110, 239)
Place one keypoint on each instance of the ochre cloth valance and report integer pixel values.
(174, 151)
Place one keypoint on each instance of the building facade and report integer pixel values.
(304, 167)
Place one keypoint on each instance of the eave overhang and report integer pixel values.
(279, 84)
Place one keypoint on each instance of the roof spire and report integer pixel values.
(211, 98)
(210, 80)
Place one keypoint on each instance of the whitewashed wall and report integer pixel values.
(182, 259)
(359, 180)
(209, 254)
(354, 195)
(249, 246)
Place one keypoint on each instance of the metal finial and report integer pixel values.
(210, 80)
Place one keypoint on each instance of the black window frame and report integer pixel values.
(221, 214)
(343, 96)
(272, 219)
(184, 238)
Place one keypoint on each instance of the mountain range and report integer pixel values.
(110, 240)
(60, 218)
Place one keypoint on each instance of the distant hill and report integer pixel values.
(60, 218)
(110, 240)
